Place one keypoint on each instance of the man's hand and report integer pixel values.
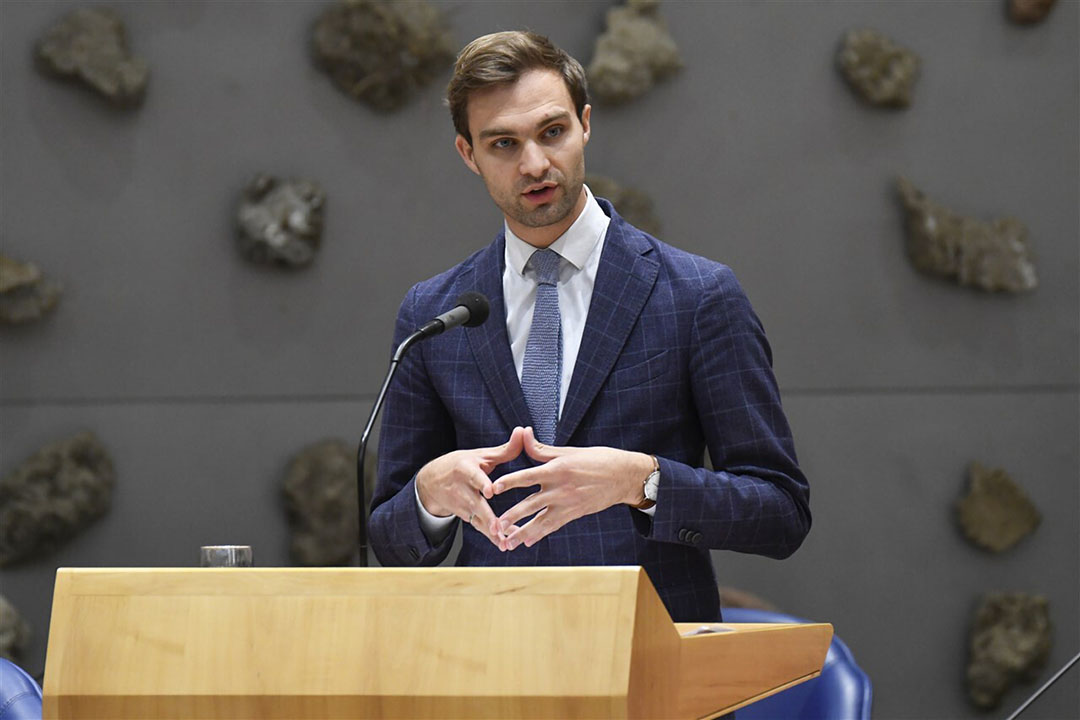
(458, 484)
(573, 482)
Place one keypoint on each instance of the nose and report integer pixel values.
(534, 161)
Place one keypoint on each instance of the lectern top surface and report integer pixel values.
(350, 581)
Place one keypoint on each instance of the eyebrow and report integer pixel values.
(547, 120)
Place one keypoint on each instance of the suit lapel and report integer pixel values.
(491, 345)
(624, 280)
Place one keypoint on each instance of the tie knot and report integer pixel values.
(545, 263)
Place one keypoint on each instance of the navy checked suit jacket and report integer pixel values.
(673, 360)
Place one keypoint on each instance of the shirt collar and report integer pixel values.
(575, 245)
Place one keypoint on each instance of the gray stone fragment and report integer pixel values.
(14, 632)
(633, 54)
(380, 52)
(882, 72)
(635, 206)
(996, 513)
(280, 222)
(1028, 12)
(1010, 641)
(90, 45)
(25, 294)
(53, 495)
(320, 502)
(991, 256)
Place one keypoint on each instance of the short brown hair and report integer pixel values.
(501, 58)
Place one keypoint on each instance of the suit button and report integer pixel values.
(414, 553)
(694, 538)
(682, 534)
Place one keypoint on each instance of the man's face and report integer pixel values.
(529, 148)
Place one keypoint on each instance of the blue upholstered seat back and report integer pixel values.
(20, 695)
(842, 691)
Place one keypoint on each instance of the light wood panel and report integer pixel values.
(729, 670)
(335, 643)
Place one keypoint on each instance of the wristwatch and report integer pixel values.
(651, 487)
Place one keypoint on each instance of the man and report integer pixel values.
(570, 428)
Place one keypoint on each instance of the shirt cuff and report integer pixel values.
(435, 527)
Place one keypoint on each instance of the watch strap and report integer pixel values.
(648, 503)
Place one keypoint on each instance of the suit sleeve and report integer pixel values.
(757, 499)
(416, 428)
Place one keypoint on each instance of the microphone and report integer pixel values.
(471, 310)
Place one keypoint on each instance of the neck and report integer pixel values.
(542, 237)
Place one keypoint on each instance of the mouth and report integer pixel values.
(540, 194)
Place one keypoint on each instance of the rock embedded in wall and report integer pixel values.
(1010, 642)
(991, 256)
(996, 513)
(25, 293)
(320, 502)
(14, 632)
(882, 72)
(1029, 12)
(633, 54)
(280, 222)
(635, 206)
(53, 495)
(89, 45)
(381, 52)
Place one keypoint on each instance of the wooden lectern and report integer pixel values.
(590, 642)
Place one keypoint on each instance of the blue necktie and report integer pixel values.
(541, 374)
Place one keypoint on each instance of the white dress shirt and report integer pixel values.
(580, 248)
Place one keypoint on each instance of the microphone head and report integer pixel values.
(478, 307)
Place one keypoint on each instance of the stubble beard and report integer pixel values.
(548, 214)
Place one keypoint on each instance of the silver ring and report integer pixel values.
(471, 516)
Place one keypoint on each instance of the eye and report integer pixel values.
(554, 131)
(502, 143)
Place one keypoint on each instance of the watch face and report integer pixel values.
(652, 486)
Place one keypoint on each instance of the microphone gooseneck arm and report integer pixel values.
(471, 310)
(1057, 676)
(362, 451)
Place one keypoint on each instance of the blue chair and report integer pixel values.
(841, 692)
(20, 695)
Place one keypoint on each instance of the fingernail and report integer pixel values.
(512, 544)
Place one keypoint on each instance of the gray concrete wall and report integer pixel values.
(203, 375)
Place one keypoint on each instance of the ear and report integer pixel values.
(586, 127)
(465, 150)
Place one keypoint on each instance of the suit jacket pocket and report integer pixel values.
(642, 372)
